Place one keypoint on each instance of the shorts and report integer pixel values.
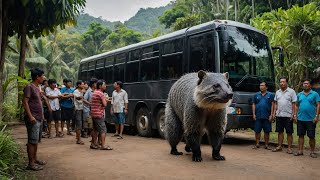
(119, 118)
(66, 114)
(262, 124)
(55, 116)
(33, 130)
(79, 119)
(306, 126)
(99, 125)
(284, 123)
(88, 123)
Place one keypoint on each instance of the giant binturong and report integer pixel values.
(197, 104)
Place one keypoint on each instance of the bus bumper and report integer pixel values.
(235, 121)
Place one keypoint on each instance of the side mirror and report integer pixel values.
(281, 54)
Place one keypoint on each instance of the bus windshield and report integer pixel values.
(248, 59)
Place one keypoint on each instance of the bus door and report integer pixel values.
(201, 52)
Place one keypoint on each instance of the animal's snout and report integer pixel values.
(229, 95)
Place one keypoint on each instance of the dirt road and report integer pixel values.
(148, 158)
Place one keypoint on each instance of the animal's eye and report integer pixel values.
(216, 85)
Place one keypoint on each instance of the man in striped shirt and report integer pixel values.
(98, 104)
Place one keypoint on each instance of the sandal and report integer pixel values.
(120, 137)
(94, 146)
(256, 146)
(277, 149)
(40, 162)
(298, 154)
(106, 148)
(80, 142)
(289, 151)
(34, 167)
(313, 155)
(115, 135)
(267, 147)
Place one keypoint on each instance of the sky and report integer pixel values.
(119, 10)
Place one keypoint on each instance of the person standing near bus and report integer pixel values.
(67, 107)
(78, 104)
(98, 105)
(308, 108)
(284, 111)
(33, 116)
(119, 107)
(54, 94)
(262, 114)
(87, 107)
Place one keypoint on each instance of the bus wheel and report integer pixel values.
(143, 122)
(160, 122)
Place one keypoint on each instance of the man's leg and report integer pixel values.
(117, 128)
(31, 154)
(62, 126)
(312, 143)
(301, 144)
(56, 124)
(68, 127)
(290, 140)
(121, 129)
(258, 136)
(266, 138)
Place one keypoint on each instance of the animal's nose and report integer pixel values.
(229, 95)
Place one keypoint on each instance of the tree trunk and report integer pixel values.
(22, 62)
(3, 44)
(252, 8)
(270, 5)
(235, 11)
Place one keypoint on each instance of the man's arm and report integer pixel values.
(254, 111)
(104, 102)
(27, 108)
(294, 112)
(85, 99)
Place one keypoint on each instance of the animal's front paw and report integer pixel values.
(197, 158)
(175, 152)
(188, 149)
(218, 157)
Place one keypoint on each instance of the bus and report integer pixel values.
(149, 68)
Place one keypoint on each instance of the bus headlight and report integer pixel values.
(238, 110)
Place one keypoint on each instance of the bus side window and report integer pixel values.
(171, 62)
(91, 69)
(150, 63)
(84, 69)
(109, 69)
(99, 69)
(132, 69)
(119, 67)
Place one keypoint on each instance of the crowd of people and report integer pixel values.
(81, 108)
(286, 108)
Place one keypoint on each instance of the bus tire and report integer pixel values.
(143, 122)
(160, 122)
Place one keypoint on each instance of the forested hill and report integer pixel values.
(145, 21)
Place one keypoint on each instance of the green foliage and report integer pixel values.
(84, 20)
(188, 21)
(295, 29)
(146, 20)
(10, 161)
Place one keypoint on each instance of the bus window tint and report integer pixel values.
(151, 51)
(119, 67)
(91, 69)
(197, 50)
(109, 69)
(132, 69)
(171, 62)
(149, 70)
(84, 69)
(99, 69)
(210, 53)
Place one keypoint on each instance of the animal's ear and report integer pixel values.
(201, 75)
(226, 75)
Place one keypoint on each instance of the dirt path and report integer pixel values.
(148, 158)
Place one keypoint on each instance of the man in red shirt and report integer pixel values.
(98, 104)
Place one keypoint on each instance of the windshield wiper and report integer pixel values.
(244, 78)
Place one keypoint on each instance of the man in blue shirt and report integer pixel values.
(308, 106)
(261, 108)
(67, 107)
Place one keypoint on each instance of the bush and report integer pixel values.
(10, 161)
(10, 112)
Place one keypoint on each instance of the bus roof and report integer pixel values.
(180, 33)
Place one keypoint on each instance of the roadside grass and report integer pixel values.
(274, 136)
(12, 161)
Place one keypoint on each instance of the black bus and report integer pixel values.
(149, 68)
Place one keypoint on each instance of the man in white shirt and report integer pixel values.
(78, 104)
(119, 107)
(53, 95)
(284, 111)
